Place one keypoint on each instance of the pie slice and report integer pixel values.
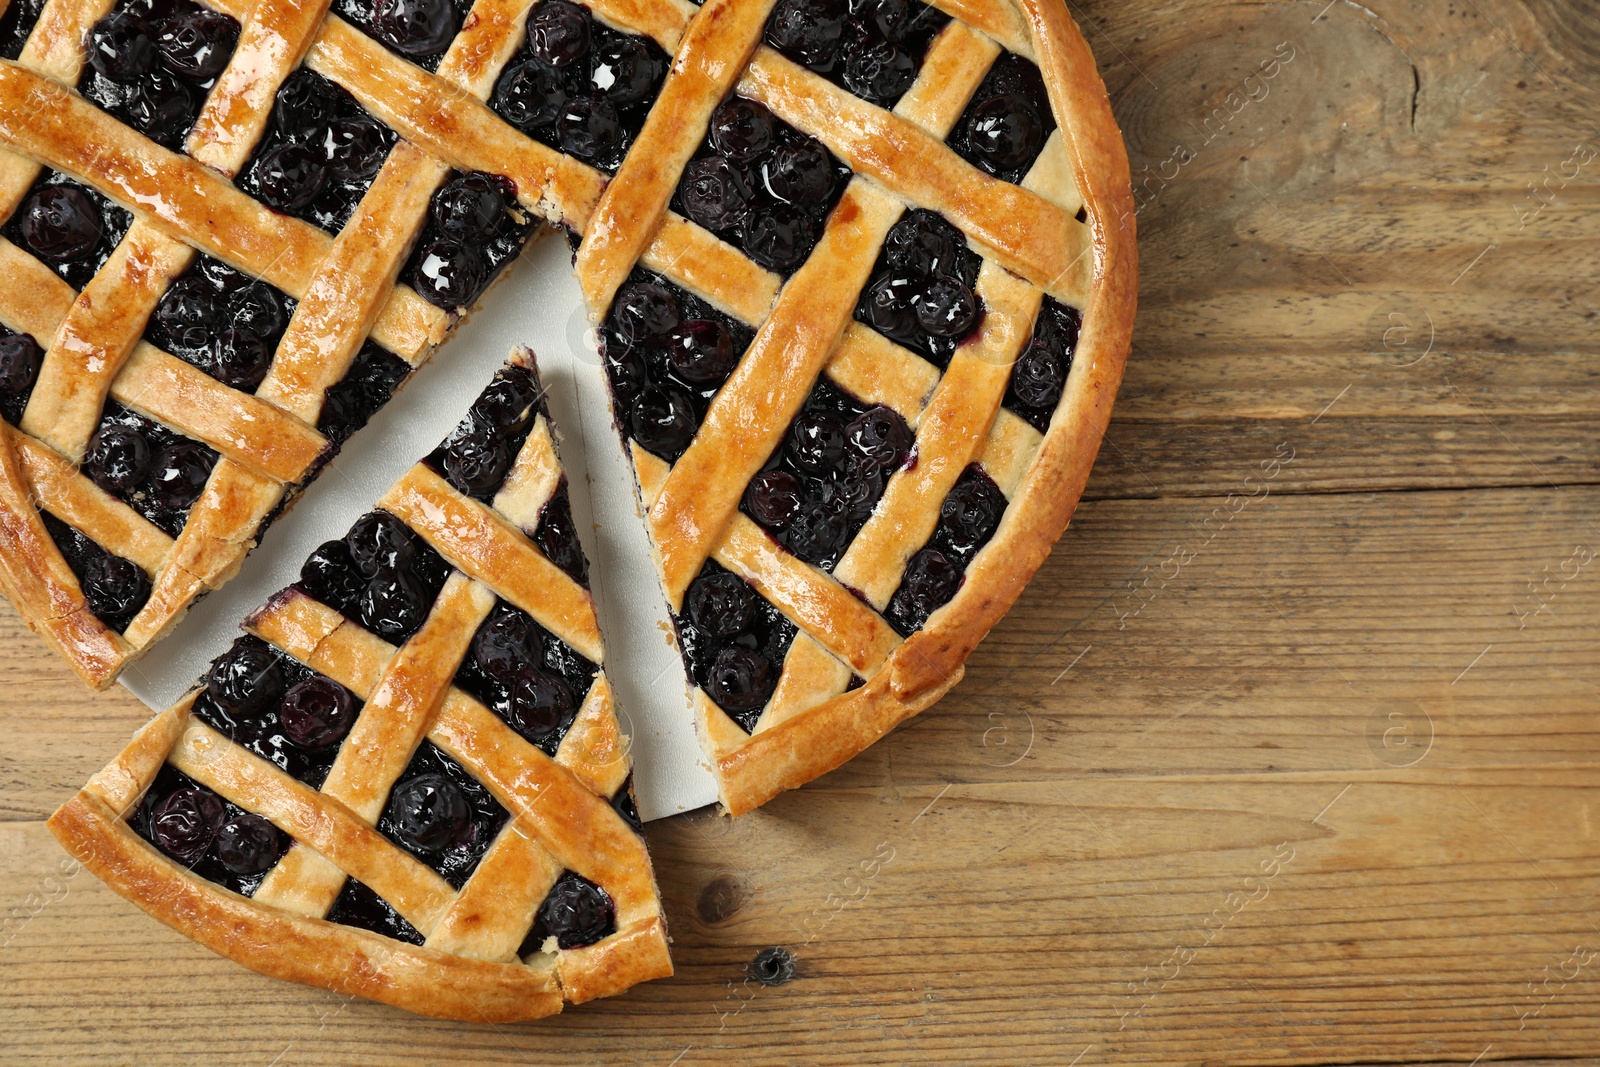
(866, 284)
(407, 781)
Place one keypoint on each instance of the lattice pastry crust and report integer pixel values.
(565, 798)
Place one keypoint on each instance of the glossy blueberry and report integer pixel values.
(625, 71)
(186, 822)
(393, 605)
(160, 107)
(880, 435)
(780, 236)
(289, 176)
(946, 307)
(505, 645)
(476, 457)
(121, 46)
(626, 370)
(20, 356)
(1005, 131)
(644, 311)
(257, 308)
(715, 194)
(118, 458)
(196, 44)
(531, 95)
(534, 704)
(240, 359)
(415, 27)
(816, 442)
(800, 171)
(663, 421)
(808, 31)
(589, 127)
(317, 713)
(558, 33)
(878, 71)
(114, 587)
(330, 575)
(890, 305)
(720, 604)
(429, 813)
(355, 148)
(702, 352)
(303, 108)
(508, 404)
(576, 913)
(470, 207)
(1039, 376)
(922, 243)
(888, 17)
(450, 275)
(248, 844)
(60, 224)
(557, 536)
(741, 679)
(741, 129)
(379, 542)
(970, 514)
(931, 579)
(189, 315)
(820, 529)
(773, 498)
(246, 679)
(178, 474)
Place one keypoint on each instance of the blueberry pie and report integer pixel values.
(864, 271)
(406, 781)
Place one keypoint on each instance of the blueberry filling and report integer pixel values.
(475, 227)
(222, 321)
(557, 537)
(367, 386)
(152, 62)
(319, 154)
(380, 574)
(478, 454)
(1040, 374)
(828, 473)
(921, 292)
(579, 86)
(360, 907)
(442, 815)
(197, 829)
(419, 30)
(624, 805)
(873, 48)
(20, 359)
(115, 588)
(968, 518)
(156, 471)
(576, 913)
(667, 352)
(526, 675)
(734, 642)
(16, 23)
(760, 184)
(1007, 121)
(68, 227)
(274, 706)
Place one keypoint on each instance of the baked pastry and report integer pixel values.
(865, 272)
(867, 283)
(219, 265)
(407, 780)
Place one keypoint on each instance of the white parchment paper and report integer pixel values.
(537, 303)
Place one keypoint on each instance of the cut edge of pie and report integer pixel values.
(564, 799)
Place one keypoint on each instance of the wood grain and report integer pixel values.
(1289, 753)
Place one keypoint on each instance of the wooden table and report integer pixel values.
(1287, 756)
